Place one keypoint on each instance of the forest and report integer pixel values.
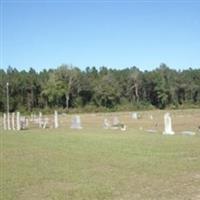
(68, 88)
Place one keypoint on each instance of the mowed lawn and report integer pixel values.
(93, 163)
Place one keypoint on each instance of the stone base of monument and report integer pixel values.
(151, 131)
(188, 133)
(168, 133)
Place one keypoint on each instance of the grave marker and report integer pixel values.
(18, 121)
(168, 125)
(40, 120)
(76, 122)
(8, 121)
(55, 119)
(106, 124)
(13, 121)
(4, 122)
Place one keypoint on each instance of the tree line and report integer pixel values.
(69, 88)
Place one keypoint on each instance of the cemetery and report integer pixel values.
(162, 122)
(101, 155)
(99, 100)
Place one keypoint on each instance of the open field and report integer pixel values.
(98, 164)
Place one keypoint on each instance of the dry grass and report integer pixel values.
(94, 163)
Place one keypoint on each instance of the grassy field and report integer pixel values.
(98, 164)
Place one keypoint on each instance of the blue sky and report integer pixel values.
(117, 34)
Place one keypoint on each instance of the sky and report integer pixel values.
(117, 34)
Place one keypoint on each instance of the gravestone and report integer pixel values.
(13, 121)
(134, 115)
(106, 124)
(55, 119)
(4, 122)
(40, 120)
(22, 122)
(18, 121)
(8, 121)
(76, 122)
(168, 125)
(116, 124)
(115, 121)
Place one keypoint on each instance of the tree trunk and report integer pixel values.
(136, 92)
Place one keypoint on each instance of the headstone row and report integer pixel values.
(17, 122)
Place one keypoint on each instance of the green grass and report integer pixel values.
(98, 164)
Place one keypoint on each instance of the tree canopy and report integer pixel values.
(69, 87)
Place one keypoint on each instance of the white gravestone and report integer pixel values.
(40, 120)
(168, 125)
(118, 125)
(13, 121)
(55, 119)
(8, 121)
(4, 122)
(106, 124)
(76, 122)
(134, 115)
(115, 121)
(18, 121)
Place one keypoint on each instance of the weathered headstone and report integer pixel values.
(106, 124)
(22, 122)
(13, 121)
(4, 121)
(76, 122)
(8, 121)
(18, 121)
(116, 124)
(134, 115)
(40, 120)
(115, 121)
(168, 125)
(55, 119)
